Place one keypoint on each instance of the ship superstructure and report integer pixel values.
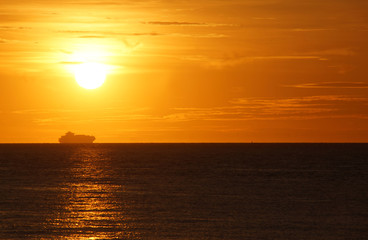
(70, 137)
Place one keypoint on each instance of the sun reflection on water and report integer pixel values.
(90, 208)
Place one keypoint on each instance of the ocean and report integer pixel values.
(184, 191)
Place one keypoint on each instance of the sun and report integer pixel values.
(90, 75)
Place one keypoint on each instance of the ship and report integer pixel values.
(70, 137)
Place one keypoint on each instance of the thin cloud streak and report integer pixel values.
(346, 85)
(313, 107)
(199, 24)
(174, 23)
(240, 109)
(233, 61)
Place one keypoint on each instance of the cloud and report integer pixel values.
(199, 24)
(237, 60)
(66, 51)
(343, 68)
(238, 109)
(77, 31)
(112, 34)
(47, 121)
(70, 62)
(335, 52)
(298, 108)
(310, 29)
(143, 34)
(318, 98)
(11, 28)
(289, 57)
(43, 111)
(103, 34)
(331, 85)
(265, 18)
(106, 115)
(92, 36)
(306, 107)
(209, 35)
(174, 23)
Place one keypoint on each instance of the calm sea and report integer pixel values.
(184, 191)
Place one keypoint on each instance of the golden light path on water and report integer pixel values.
(92, 207)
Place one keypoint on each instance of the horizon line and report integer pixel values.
(252, 142)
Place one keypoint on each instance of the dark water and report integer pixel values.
(184, 191)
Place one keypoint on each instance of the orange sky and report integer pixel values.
(186, 71)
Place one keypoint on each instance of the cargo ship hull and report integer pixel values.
(70, 137)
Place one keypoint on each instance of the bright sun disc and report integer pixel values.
(90, 75)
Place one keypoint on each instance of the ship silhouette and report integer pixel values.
(70, 137)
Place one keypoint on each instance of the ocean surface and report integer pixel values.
(184, 191)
